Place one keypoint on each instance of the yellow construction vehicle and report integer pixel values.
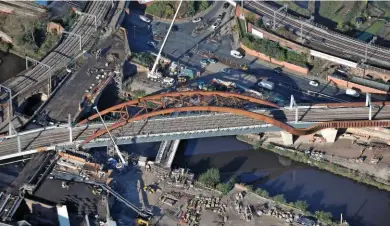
(149, 189)
(142, 222)
(244, 67)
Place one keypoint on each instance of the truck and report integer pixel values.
(154, 76)
(352, 92)
(266, 84)
(168, 81)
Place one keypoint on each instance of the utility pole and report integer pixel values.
(302, 23)
(165, 39)
(284, 7)
(293, 104)
(10, 109)
(367, 45)
(70, 129)
(112, 139)
(49, 72)
(242, 9)
(76, 35)
(369, 105)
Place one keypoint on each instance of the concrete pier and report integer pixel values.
(329, 135)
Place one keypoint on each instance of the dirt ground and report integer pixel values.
(133, 180)
(346, 150)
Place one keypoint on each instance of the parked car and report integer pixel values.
(278, 70)
(215, 25)
(221, 16)
(152, 44)
(314, 83)
(352, 92)
(145, 19)
(226, 5)
(196, 20)
(187, 55)
(227, 70)
(236, 54)
(212, 60)
(204, 61)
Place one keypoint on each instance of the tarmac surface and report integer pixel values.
(182, 41)
(68, 98)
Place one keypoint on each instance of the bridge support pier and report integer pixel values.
(172, 153)
(329, 135)
(288, 138)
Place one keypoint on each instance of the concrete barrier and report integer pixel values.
(264, 57)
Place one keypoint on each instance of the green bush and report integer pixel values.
(302, 205)
(262, 192)
(201, 5)
(226, 187)
(167, 9)
(138, 93)
(324, 217)
(145, 59)
(279, 198)
(210, 178)
(274, 50)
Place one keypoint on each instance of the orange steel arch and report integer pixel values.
(253, 115)
(180, 94)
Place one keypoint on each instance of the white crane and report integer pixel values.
(153, 71)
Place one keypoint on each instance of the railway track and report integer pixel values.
(340, 42)
(68, 48)
(191, 123)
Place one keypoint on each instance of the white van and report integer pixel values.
(236, 54)
(168, 81)
(352, 92)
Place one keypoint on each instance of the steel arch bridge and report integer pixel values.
(210, 101)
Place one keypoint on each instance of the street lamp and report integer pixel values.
(112, 139)
(10, 113)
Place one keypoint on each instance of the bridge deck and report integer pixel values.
(185, 123)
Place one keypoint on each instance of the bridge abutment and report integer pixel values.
(288, 138)
(329, 135)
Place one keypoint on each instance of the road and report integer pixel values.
(181, 42)
(182, 124)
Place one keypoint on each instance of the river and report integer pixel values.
(359, 204)
(10, 65)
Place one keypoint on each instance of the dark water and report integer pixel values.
(10, 65)
(359, 204)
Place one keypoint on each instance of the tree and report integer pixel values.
(302, 205)
(226, 187)
(251, 17)
(262, 192)
(202, 5)
(191, 11)
(324, 217)
(210, 178)
(279, 198)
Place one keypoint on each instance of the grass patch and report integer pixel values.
(241, 27)
(375, 28)
(291, 5)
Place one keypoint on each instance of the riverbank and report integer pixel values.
(320, 163)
